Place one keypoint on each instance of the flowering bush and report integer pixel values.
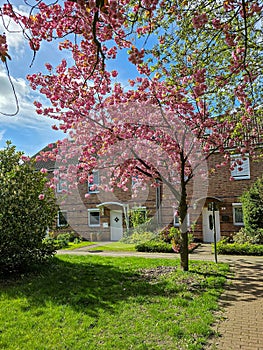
(169, 233)
(27, 209)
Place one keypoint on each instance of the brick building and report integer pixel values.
(105, 215)
(224, 191)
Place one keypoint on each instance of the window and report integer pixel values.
(134, 181)
(238, 214)
(94, 217)
(176, 220)
(240, 168)
(137, 216)
(62, 218)
(93, 182)
(61, 185)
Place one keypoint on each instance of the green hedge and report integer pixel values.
(239, 249)
(154, 247)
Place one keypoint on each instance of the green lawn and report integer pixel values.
(113, 246)
(91, 302)
(72, 245)
(116, 247)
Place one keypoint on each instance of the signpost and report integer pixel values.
(214, 207)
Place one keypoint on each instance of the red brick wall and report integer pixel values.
(77, 207)
(219, 186)
(220, 189)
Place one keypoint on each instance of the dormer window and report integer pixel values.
(93, 182)
(61, 185)
(240, 167)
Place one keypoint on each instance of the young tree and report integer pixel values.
(27, 209)
(252, 204)
(197, 89)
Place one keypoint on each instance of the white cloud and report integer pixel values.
(28, 130)
(26, 115)
(14, 34)
(2, 132)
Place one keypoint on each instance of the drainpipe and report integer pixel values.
(158, 203)
(125, 210)
(214, 221)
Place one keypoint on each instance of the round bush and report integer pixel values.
(27, 209)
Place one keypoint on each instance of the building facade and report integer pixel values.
(214, 208)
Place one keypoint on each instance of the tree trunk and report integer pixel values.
(183, 229)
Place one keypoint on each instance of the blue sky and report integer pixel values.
(27, 130)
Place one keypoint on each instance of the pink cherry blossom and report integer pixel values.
(25, 158)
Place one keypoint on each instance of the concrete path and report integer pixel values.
(240, 322)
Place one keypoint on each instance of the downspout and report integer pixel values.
(158, 203)
(125, 211)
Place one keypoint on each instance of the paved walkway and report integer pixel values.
(240, 323)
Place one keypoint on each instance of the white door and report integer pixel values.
(208, 226)
(116, 228)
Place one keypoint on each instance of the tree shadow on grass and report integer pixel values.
(86, 287)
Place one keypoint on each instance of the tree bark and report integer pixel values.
(183, 228)
(184, 251)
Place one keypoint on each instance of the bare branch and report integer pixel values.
(14, 92)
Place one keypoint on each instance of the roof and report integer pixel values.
(45, 162)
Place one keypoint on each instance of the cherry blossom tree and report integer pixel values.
(197, 90)
(3, 48)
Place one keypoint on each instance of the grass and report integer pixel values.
(92, 302)
(116, 247)
(72, 245)
(113, 246)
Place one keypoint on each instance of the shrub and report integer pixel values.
(162, 247)
(248, 236)
(77, 240)
(154, 247)
(239, 249)
(171, 234)
(27, 209)
(137, 217)
(252, 204)
(136, 237)
(61, 240)
(165, 234)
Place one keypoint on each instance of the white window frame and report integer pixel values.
(93, 210)
(234, 207)
(243, 174)
(60, 186)
(65, 214)
(176, 220)
(96, 183)
(141, 209)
